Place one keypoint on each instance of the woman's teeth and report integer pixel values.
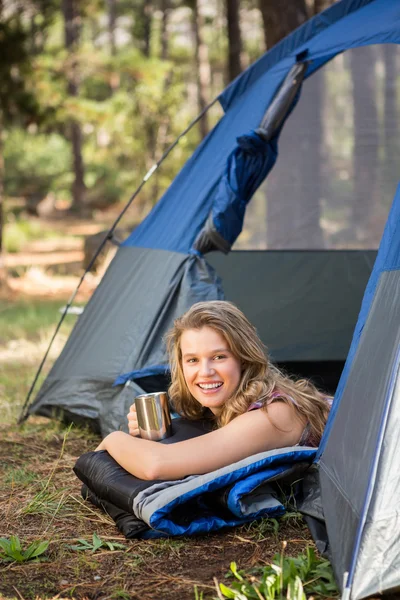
(209, 386)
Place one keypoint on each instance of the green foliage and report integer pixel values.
(20, 27)
(11, 549)
(35, 164)
(285, 577)
(96, 544)
(18, 233)
(130, 107)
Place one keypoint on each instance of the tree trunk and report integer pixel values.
(147, 16)
(234, 39)
(294, 188)
(3, 270)
(164, 31)
(72, 31)
(365, 150)
(293, 219)
(112, 17)
(320, 5)
(390, 115)
(202, 66)
(279, 19)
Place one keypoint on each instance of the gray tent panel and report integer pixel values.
(348, 463)
(303, 304)
(102, 347)
(381, 538)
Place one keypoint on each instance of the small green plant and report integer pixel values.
(285, 577)
(96, 544)
(11, 549)
(260, 530)
(168, 546)
(197, 595)
(121, 594)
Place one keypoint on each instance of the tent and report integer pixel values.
(116, 349)
(159, 271)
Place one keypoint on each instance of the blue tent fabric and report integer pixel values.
(138, 373)
(247, 166)
(191, 196)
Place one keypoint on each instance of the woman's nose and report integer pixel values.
(206, 368)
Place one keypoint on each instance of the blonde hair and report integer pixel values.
(260, 379)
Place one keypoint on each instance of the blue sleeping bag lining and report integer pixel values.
(226, 497)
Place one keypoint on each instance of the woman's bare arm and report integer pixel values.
(248, 434)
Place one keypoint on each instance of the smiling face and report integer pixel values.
(212, 373)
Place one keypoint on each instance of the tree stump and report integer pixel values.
(93, 242)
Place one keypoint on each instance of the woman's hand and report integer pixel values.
(133, 422)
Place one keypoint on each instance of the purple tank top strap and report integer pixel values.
(274, 396)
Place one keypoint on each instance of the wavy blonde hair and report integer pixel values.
(260, 379)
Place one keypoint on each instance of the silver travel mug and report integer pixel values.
(154, 419)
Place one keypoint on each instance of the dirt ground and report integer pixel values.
(40, 499)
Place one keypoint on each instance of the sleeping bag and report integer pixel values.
(232, 495)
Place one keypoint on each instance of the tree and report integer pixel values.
(202, 65)
(295, 222)
(165, 9)
(390, 115)
(234, 39)
(365, 150)
(72, 27)
(19, 29)
(279, 19)
(142, 25)
(287, 220)
(112, 16)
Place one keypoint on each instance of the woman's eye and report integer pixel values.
(219, 356)
(191, 360)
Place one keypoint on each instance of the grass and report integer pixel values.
(19, 476)
(31, 320)
(86, 557)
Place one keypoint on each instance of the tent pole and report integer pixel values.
(346, 590)
(25, 408)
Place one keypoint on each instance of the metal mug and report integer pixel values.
(154, 419)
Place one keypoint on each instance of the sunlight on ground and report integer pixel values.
(29, 352)
(36, 282)
(27, 326)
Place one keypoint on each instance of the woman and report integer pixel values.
(219, 368)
